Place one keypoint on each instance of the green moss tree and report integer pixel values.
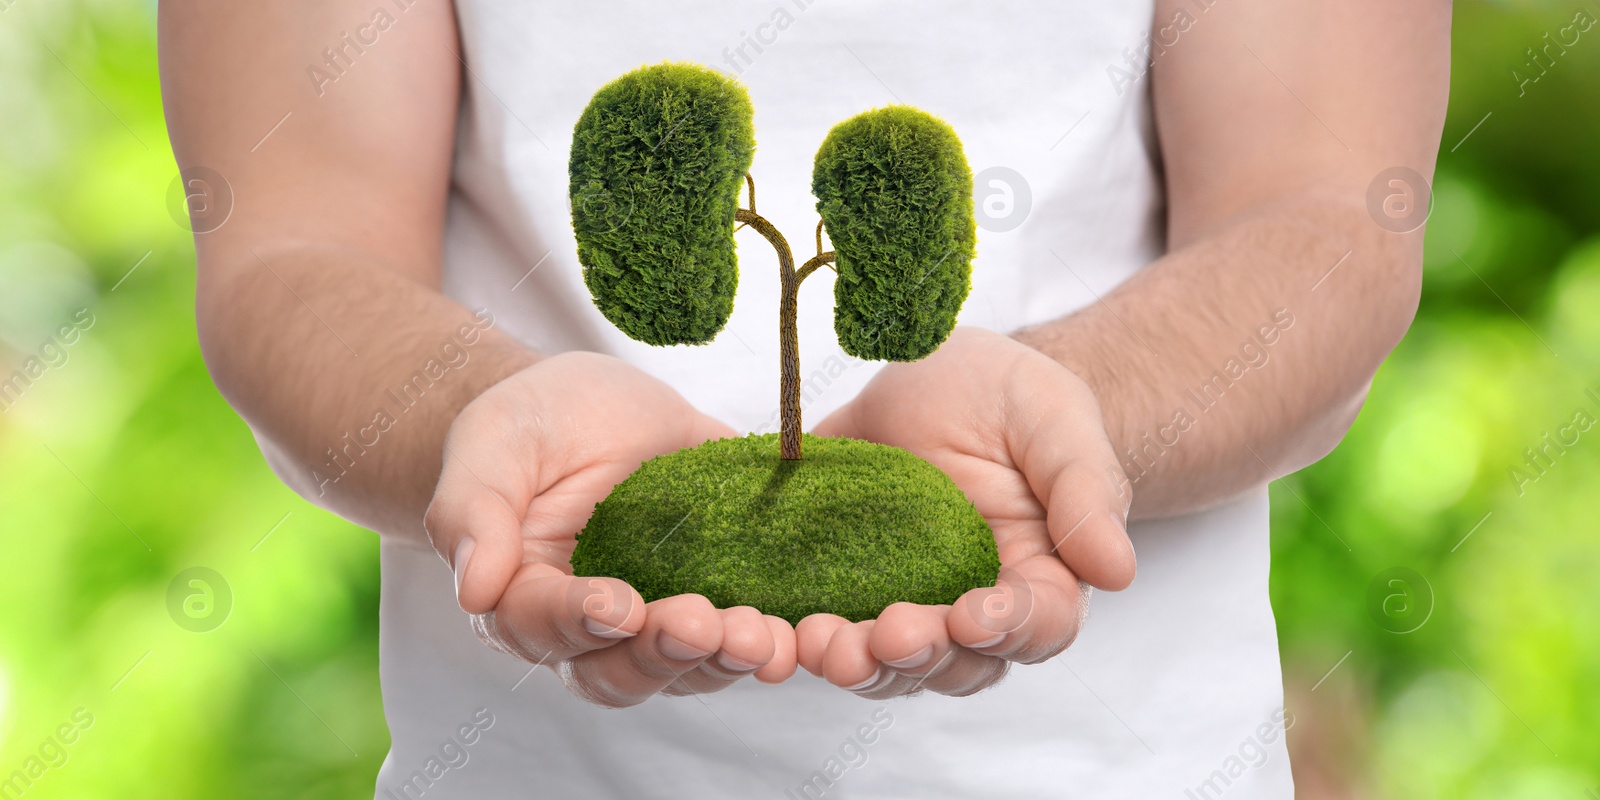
(895, 192)
(655, 178)
(658, 159)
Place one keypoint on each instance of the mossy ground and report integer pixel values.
(848, 530)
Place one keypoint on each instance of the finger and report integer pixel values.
(1085, 519)
(477, 532)
(848, 662)
(891, 684)
(547, 616)
(746, 646)
(1071, 468)
(961, 672)
(964, 673)
(679, 634)
(554, 518)
(850, 665)
(811, 639)
(911, 638)
(1033, 612)
(841, 422)
(784, 653)
(707, 428)
(914, 641)
(561, 510)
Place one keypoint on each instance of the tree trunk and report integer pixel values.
(788, 336)
(788, 323)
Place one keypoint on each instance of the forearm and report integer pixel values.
(348, 373)
(1240, 357)
(317, 297)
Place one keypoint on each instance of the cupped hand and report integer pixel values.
(1022, 436)
(524, 465)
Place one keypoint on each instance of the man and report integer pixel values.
(395, 307)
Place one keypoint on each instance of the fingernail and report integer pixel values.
(463, 555)
(868, 682)
(678, 651)
(914, 660)
(732, 664)
(988, 643)
(604, 630)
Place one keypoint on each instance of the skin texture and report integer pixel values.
(1048, 484)
(1263, 201)
(322, 291)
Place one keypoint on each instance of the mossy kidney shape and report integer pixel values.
(658, 161)
(849, 530)
(895, 191)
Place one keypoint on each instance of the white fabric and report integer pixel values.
(1172, 690)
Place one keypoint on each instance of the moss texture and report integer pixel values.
(895, 191)
(851, 529)
(658, 161)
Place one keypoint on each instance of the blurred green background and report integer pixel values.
(121, 467)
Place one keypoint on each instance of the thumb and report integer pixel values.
(1067, 459)
(1086, 519)
(841, 423)
(478, 533)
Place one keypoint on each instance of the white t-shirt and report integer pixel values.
(1173, 688)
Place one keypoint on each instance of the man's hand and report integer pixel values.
(1023, 438)
(524, 465)
(1272, 140)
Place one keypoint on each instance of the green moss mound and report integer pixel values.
(848, 530)
(658, 161)
(895, 191)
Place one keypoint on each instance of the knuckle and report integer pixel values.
(1041, 654)
(567, 639)
(525, 627)
(487, 629)
(653, 666)
(493, 630)
(988, 674)
(1080, 480)
(591, 687)
(1046, 649)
